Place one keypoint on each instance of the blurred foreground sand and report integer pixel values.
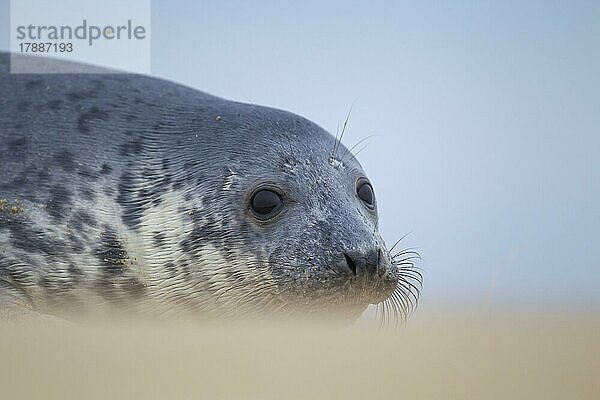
(511, 357)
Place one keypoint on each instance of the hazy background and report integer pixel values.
(487, 116)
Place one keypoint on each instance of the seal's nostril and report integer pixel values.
(351, 264)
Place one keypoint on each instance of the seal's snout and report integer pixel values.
(369, 273)
(361, 262)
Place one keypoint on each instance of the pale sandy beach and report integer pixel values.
(511, 356)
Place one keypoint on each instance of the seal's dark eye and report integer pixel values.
(365, 192)
(266, 203)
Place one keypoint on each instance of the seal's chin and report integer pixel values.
(383, 294)
(374, 290)
(335, 291)
(372, 298)
(359, 296)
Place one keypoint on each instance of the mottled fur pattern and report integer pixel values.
(122, 191)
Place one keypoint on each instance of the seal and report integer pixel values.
(126, 192)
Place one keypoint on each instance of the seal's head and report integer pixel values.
(295, 216)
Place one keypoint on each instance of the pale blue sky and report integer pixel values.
(488, 116)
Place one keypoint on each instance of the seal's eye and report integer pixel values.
(266, 203)
(365, 193)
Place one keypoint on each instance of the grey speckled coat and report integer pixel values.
(126, 192)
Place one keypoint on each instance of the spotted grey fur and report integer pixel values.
(126, 192)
